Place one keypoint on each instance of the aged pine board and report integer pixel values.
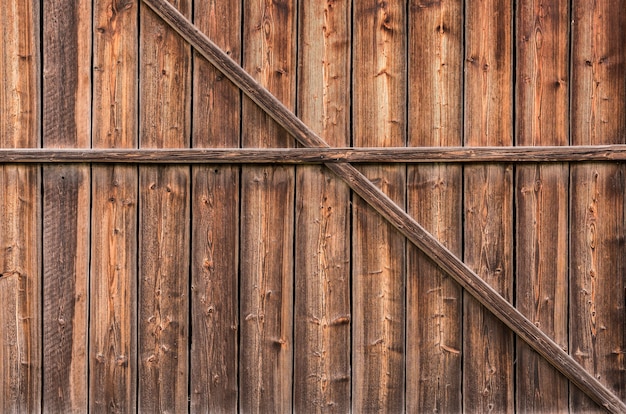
(66, 205)
(20, 231)
(215, 219)
(164, 217)
(113, 280)
(488, 352)
(541, 199)
(597, 262)
(322, 285)
(267, 205)
(378, 252)
(434, 194)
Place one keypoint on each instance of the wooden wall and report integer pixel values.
(273, 288)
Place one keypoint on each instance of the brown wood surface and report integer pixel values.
(378, 252)
(597, 262)
(113, 279)
(164, 216)
(322, 298)
(20, 235)
(266, 301)
(488, 352)
(434, 194)
(215, 220)
(66, 204)
(542, 79)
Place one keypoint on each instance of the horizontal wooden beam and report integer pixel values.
(465, 155)
(451, 264)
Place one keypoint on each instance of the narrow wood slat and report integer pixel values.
(113, 304)
(322, 279)
(468, 279)
(164, 217)
(215, 219)
(597, 329)
(20, 230)
(267, 205)
(434, 194)
(542, 46)
(378, 255)
(66, 205)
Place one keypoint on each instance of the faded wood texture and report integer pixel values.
(597, 263)
(488, 239)
(20, 231)
(434, 194)
(215, 220)
(542, 104)
(113, 278)
(322, 374)
(267, 221)
(378, 252)
(66, 203)
(164, 217)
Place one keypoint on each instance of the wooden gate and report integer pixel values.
(168, 247)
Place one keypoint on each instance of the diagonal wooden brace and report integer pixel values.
(445, 259)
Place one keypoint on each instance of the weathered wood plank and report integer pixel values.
(113, 304)
(322, 299)
(379, 119)
(164, 215)
(266, 307)
(542, 97)
(488, 239)
(597, 262)
(434, 194)
(215, 219)
(66, 202)
(20, 231)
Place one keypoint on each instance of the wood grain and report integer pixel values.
(488, 239)
(66, 203)
(113, 304)
(541, 202)
(266, 301)
(322, 298)
(379, 119)
(20, 231)
(434, 192)
(597, 266)
(215, 220)
(164, 217)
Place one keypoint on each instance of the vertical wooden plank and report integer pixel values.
(20, 274)
(488, 241)
(597, 292)
(215, 214)
(434, 194)
(542, 96)
(164, 215)
(66, 203)
(379, 119)
(113, 351)
(322, 300)
(267, 199)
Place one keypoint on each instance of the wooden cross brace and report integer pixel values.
(415, 233)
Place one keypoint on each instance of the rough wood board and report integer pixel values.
(379, 112)
(322, 298)
(434, 194)
(266, 304)
(164, 217)
(215, 215)
(542, 102)
(20, 266)
(487, 344)
(597, 262)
